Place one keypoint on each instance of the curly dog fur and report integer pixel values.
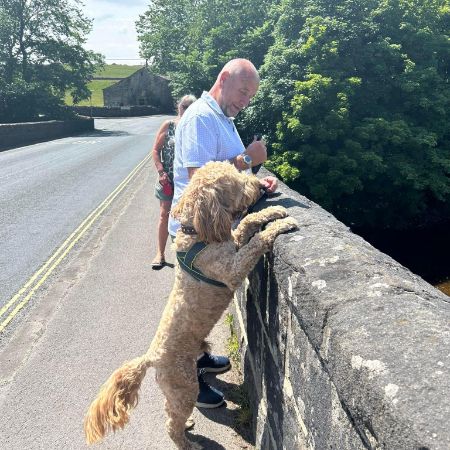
(216, 194)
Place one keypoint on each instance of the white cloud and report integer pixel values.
(114, 30)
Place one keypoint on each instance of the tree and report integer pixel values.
(355, 102)
(163, 32)
(42, 56)
(191, 40)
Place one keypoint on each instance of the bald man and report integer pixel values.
(206, 132)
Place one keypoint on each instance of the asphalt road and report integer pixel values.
(102, 303)
(48, 189)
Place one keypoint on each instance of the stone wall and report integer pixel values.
(342, 347)
(117, 111)
(17, 134)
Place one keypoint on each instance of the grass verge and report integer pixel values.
(239, 394)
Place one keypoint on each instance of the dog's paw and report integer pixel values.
(189, 423)
(280, 226)
(287, 224)
(275, 212)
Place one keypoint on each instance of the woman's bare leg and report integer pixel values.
(163, 233)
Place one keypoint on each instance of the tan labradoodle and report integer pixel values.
(215, 196)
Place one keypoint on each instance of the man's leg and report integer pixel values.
(208, 397)
(213, 363)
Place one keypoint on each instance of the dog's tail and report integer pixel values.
(111, 409)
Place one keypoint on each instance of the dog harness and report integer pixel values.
(187, 259)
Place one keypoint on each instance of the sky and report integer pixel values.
(114, 31)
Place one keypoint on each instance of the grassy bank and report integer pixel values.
(117, 71)
(96, 86)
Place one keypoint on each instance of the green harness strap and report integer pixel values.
(186, 260)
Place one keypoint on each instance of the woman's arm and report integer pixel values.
(158, 145)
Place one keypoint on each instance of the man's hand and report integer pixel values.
(270, 184)
(257, 150)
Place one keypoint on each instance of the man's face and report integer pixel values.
(237, 91)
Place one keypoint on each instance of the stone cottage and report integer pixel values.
(142, 88)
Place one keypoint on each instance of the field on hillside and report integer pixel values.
(117, 71)
(96, 86)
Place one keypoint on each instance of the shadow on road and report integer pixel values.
(224, 415)
(104, 133)
(205, 442)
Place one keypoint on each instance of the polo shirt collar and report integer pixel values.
(214, 105)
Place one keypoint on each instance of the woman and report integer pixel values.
(163, 154)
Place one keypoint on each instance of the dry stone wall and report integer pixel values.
(342, 347)
(17, 134)
(117, 111)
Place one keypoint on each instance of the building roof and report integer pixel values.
(134, 74)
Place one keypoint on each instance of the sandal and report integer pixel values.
(158, 264)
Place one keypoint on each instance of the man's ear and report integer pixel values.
(224, 76)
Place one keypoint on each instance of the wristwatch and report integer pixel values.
(247, 159)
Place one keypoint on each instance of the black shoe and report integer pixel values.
(208, 397)
(213, 363)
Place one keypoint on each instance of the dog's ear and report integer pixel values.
(212, 220)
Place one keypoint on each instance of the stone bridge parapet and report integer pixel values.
(18, 134)
(342, 347)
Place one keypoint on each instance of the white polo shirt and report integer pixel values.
(203, 134)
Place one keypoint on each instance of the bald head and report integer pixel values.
(235, 85)
(240, 67)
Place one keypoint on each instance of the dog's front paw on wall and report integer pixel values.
(280, 226)
(275, 212)
(289, 224)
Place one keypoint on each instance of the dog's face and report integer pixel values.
(215, 197)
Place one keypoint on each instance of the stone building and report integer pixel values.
(142, 88)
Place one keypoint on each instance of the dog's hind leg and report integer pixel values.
(205, 346)
(178, 414)
(181, 393)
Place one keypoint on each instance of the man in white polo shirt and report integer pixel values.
(206, 132)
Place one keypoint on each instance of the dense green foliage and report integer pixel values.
(354, 98)
(367, 120)
(41, 57)
(191, 40)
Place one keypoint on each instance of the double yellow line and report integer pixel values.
(23, 296)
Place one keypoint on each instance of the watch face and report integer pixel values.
(247, 159)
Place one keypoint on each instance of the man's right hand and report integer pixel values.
(257, 150)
